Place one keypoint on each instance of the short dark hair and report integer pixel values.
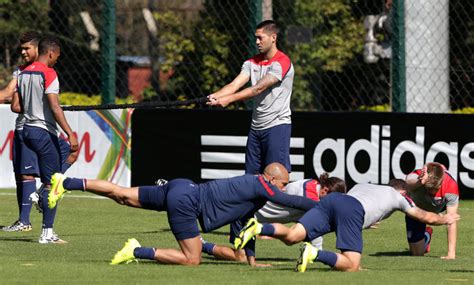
(333, 184)
(30, 36)
(398, 184)
(48, 43)
(269, 26)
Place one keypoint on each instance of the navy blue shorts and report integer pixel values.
(415, 230)
(183, 206)
(47, 149)
(336, 213)
(180, 198)
(267, 146)
(25, 160)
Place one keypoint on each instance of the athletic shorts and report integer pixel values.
(415, 230)
(183, 207)
(267, 146)
(152, 197)
(47, 148)
(25, 161)
(337, 213)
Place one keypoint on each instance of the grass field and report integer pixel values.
(96, 228)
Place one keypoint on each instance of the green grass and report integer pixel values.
(96, 229)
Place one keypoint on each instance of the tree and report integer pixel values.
(336, 39)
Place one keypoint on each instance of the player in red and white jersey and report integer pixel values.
(37, 100)
(433, 189)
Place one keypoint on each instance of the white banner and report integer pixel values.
(104, 145)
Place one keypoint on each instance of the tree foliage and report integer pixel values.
(18, 17)
(337, 38)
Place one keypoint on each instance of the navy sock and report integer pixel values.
(208, 247)
(267, 230)
(19, 195)
(327, 257)
(144, 253)
(48, 214)
(29, 186)
(74, 184)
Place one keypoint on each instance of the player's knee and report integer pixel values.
(292, 238)
(240, 255)
(193, 261)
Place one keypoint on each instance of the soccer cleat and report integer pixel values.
(308, 254)
(52, 238)
(428, 235)
(251, 229)
(57, 190)
(125, 255)
(37, 197)
(18, 226)
(161, 182)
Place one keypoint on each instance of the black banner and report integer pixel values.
(357, 147)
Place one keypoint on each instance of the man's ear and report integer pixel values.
(324, 190)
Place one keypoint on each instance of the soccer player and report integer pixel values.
(271, 74)
(214, 204)
(433, 189)
(38, 89)
(347, 215)
(25, 162)
(274, 213)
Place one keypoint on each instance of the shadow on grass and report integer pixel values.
(21, 239)
(391, 253)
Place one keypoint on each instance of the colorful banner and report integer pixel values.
(104, 145)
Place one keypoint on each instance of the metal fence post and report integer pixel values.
(108, 52)
(255, 7)
(398, 58)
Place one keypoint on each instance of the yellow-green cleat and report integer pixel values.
(251, 229)
(308, 254)
(125, 255)
(57, 190)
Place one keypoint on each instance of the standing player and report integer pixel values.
(433, 189)
(274, 213)
(214, 204)
(38, 89)
(271, 74)
(25, 162)
(347, 215)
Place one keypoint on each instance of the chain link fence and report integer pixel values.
(184, 49)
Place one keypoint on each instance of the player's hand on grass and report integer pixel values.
(262, 265)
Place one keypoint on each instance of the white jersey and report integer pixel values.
(275, 213)
(272, 107)
(379, 202)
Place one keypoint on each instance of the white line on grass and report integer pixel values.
(72, 196)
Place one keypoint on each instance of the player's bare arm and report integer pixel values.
(61, 120)
(432, 218)
(230, 88)
(452, 233)
(263, 84)
(7, 93)
(15, 104)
